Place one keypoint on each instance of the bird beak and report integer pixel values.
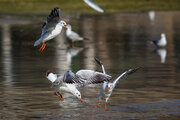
(80, 99)
(65, 26)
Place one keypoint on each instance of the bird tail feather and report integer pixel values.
(37, 42)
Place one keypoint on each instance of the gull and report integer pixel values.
(51, 28)
(73, 36)
(162, 41)
(107, 87)
(94, 6)
(62, 86)
(69, 81)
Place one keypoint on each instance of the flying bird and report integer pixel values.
(94, 6)
(107, 87)
(51, 28)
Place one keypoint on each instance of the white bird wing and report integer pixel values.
(74, 36)
(52, 21)
(94, 6)
(93, 77)
(124, 74)
(100, 63)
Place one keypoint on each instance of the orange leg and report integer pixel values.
(98, 105)
(58, 95)
(43, 46)
(105, 107)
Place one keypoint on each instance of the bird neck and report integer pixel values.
(163, 40)
(59, 27)
(68, 31)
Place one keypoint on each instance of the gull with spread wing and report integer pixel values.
(70, 81)
(107, 87)
(51, 28)
(62, 85)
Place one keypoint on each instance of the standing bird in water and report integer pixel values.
(73, 36)
(51, 28)
(162, 42)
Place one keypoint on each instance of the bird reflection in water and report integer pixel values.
(72, 52)
(162, 52)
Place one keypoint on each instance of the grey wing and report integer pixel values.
(57, 82)
(93, 77)
(73, 79)
(52, 20)
(75, 36)
(128, 72)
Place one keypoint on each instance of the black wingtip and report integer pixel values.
(86, 38)
(54, 13)
(134, 70)
(98, 61)
(155, 42)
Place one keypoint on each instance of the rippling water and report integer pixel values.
(120, 40)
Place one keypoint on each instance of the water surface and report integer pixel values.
(120, 40)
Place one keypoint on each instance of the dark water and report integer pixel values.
(120, 40)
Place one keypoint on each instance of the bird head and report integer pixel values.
(78, 95)
(163, 35)
(63, 23)
(109, 86)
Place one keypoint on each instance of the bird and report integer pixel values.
(78, 79)
(162, 42)
(51, 28)
(73, 36)
(62, 86)
(94, 6)
(107, 87)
